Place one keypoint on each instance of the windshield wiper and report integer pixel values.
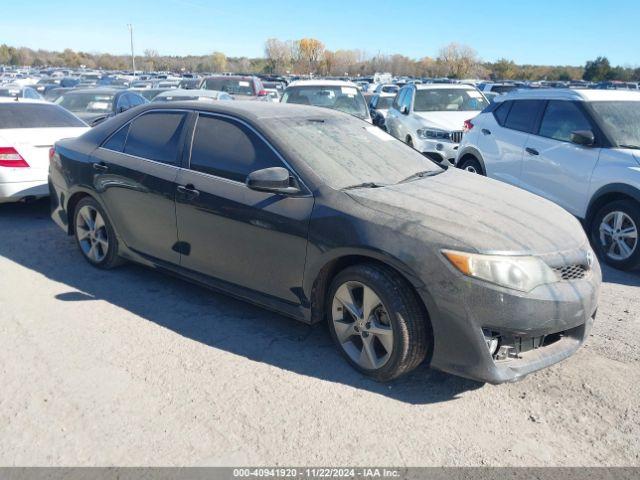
(364, 185)
(426, 173)
(634, 147)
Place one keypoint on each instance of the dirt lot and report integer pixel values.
(131, 367)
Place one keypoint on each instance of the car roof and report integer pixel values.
(21, 100)
(98, 91)
(322, 83)
(183, 92)
(447, 86)
(586, 95)
(251, 110)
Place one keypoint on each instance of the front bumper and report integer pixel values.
(540, 328)
(442, 151)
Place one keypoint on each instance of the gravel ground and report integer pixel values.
(131, 367)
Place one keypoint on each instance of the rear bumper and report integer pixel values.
(16, 191)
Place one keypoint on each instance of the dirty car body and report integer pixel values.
(356, 200)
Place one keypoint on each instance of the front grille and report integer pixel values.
(571, 272)
(456, 137)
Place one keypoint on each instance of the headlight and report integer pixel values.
(433, 134)
(522, 273)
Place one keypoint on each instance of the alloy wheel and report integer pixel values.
(618, 235)
(362, 326)
(91, 232)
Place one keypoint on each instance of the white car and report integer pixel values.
(577, 148)
(431, 118)
(334, 94)
(28, 129)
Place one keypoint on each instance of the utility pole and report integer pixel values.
(133, 58)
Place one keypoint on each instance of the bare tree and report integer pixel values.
(459, 60)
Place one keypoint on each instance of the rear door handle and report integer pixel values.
(532, 151)
(188, 191)
(100, 167)
(485, 131)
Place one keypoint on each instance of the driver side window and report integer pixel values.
(407, 100)
(229, 149)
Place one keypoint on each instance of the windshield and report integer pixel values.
(620, 120)
(234, 86)
(345, 99)
(345, 151)
(32, 115)
(449, 100)
(86, 102)
(384, 103)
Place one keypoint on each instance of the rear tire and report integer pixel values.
(614, 234)
(377, 321)
(472, 165)
(94, 234)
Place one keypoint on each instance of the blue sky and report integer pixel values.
(539, 32)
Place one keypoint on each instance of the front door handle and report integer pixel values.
(485, 131)
(532, 151)
(188, 191)
(101, 167)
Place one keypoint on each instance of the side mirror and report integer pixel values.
(585, 138)
(404, 110)
(275, 179)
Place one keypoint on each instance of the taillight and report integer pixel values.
(52, 152)
(263, 93)
(9, 157)
(468, 125)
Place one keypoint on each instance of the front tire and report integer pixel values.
(614, 234)
(377, 321)
(94, 234)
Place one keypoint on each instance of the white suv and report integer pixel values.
(580, 149)
(431, 118)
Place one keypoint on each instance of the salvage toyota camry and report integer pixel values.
(320, 216)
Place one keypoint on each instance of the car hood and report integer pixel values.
(468, 210)
(450, 121)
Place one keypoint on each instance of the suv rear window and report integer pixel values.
(232, 85)
(523, 115)
(33, 115)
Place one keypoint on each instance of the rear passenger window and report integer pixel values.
(562, 118)
(501, 112)
(117, 140)
(156, 136)
(228, 149)
(522, 115)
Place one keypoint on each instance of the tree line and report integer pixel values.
(310, 56)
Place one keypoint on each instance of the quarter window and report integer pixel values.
(156, 136)
(228, 149)
(562, 118)
(501, 112)
(117, 140)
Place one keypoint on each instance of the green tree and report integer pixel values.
(597, 70)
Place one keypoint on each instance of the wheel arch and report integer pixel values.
(330, 267)
(607, 194)
(471, 152)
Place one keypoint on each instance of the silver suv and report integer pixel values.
(580, 149)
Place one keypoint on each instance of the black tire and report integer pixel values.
(111, 258)
(406, 314)
(472, 165)
(631, 209)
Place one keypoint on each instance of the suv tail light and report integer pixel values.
(468, 125)
(263, 93)
(52, 152)
(9, 157)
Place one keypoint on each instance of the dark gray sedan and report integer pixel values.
(323, 217)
